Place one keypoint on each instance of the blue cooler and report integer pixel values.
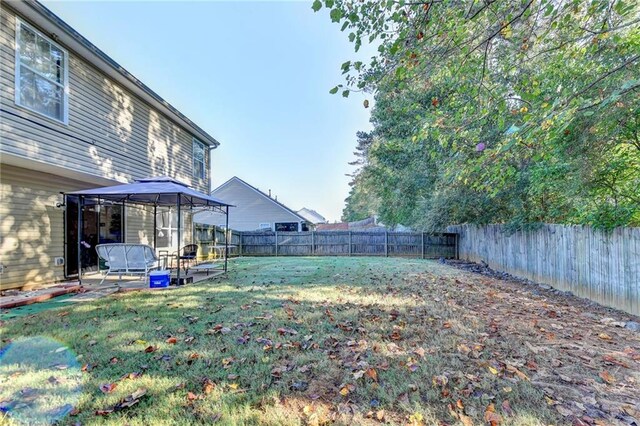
(159, 279)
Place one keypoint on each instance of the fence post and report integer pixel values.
(239, 244)
(386, 243)
(457, 246)
(313, 242)
(349, 243)
(422, 246)
(276, 243)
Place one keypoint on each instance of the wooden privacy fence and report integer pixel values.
(348, 243)
(327, 243)
(208, 237)
(601, 266)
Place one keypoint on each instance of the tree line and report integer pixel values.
(495, 111)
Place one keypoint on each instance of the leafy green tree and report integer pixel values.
(515, 111)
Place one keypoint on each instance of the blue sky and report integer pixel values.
(255, 75)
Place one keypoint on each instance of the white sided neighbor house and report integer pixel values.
(71, 118)
(253, 210)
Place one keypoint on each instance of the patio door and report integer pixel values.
(102, 223)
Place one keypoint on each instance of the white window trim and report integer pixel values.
(195, 142)
(19, 65)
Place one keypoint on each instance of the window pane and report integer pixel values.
(40, 95)
(57, 65)
(198, 169)
(27, 46)
(198, 150)
(198, 159)
(43, 57)
(27, 88)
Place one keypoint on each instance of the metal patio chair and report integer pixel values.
(188, 255)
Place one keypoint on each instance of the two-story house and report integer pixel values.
(72, 118)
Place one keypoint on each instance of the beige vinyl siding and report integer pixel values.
(252, 208)
(31, 226)
(139, 225)
(111, 132)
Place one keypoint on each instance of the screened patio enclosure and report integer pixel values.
(159, 193)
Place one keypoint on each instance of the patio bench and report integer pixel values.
(127, 259)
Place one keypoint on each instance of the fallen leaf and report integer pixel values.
(131, 376)
(150, 349)
(607, 377)
(108, 387)
(139, 393)
(518, 373)
(172, 340)
(491, 417)
(604, 336)
(208, 386)
(564, 410)
(613, 360)
(347, 389)
(506, 408)
(372, 374)
(380, 415)
(439, 380)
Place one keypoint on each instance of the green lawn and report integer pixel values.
(292, 341)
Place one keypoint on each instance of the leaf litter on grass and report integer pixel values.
(364, 341)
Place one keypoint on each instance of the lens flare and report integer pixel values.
(40, 380)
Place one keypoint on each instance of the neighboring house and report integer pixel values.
(72, 118)
(253, 210)
(312, 216)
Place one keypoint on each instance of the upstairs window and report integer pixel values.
(41, 73)
(198, 159)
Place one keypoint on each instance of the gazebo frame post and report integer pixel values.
(155, 227)
(227, 235)
(179, 241)
(80, 206)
